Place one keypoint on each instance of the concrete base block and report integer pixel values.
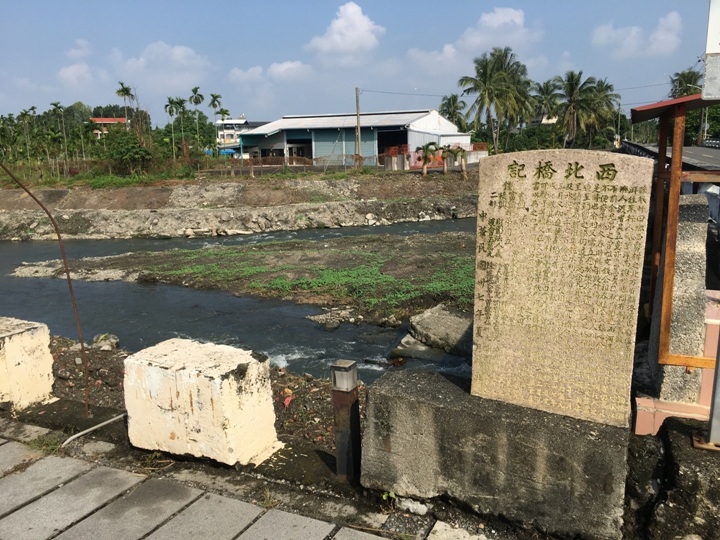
(426, 437)
(205, 400)
(26, 375)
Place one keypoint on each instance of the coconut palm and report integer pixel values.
(685, 83)
(196, 98)
(547, 98)
(125, 92)
(497, 79)
(576, 102)
(452, 107)
(602, 113)
(223, 113)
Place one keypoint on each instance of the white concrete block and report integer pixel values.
(205, 400)
(26, 375)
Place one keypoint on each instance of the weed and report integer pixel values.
(154, 462)
(48, 444)
(269, 501)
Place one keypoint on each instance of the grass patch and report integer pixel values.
(48, 444)
(377, 275)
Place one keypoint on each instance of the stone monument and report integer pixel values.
(542, 436)
(560, 247)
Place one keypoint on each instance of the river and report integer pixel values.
(142, 315)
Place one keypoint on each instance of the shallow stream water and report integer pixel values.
(142, 315)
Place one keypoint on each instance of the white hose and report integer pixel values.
(85, 432)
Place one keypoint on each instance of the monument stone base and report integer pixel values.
(426, 436)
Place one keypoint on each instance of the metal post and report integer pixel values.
(346, 408)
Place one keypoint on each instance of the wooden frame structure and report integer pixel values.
(664, 111)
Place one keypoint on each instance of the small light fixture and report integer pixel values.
(344, 375)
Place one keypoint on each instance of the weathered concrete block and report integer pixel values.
(427, 437)
(26, 375)
(205, 400)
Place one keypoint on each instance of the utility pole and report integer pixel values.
(358, 138)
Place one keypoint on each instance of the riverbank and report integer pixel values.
(247, 206)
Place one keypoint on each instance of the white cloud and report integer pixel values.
(633, 41)
(76, 76)
(443, 60)
(665, 39)
(254, 74)
(498, 28)
(162, 69)
(82, 49)
(349, 38)
(289, 71)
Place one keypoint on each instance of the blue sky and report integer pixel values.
(269, 59)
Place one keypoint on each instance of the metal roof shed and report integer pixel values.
(331, 137)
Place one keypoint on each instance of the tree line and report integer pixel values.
(504, 108)
(511, 112)
(64, 140)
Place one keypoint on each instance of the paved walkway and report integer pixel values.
(67, 498)
(43, 497)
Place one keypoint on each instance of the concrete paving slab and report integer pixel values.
(19, 488)
(19, 431)
(69, 504)
(352, 534)
(211, 516)
(136, 514)
(13, 454)
(278, 524)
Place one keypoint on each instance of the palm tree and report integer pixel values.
(171, 109)
(196, 98)
(215, 104)
(224, 113)
(24, 117)
(428, 151)
(125, 92)
(547, 98)
(180, 111)
(685, 83)
(577, 99)
(497, 81)
(602, 113)
(452, 107)
(60, 111)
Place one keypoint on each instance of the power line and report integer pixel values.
(645, 86)
(400, 93)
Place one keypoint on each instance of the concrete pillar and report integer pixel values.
(25, 362)
(205, 400)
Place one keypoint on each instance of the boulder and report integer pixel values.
(441, 328)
